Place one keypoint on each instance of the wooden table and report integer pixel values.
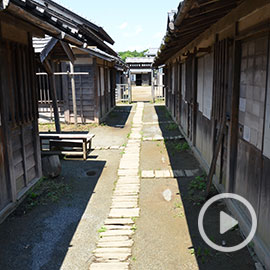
(79, 143)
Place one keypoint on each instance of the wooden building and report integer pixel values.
(95, 66)
(216, 56)
(140, 70)
(20, 21)
(95, 83)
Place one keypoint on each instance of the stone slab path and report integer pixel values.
(113, 250)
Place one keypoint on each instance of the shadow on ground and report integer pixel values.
(39, 239)
(118, 116)
(191, 194)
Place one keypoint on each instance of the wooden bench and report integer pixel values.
(77, 144)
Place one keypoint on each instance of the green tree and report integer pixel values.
(126, 54)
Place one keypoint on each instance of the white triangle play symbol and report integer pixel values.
(226, 222)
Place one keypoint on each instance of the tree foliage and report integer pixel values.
(126, 54)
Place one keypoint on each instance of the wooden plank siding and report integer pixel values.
(95, 93)
(235, 87)
(20, 164)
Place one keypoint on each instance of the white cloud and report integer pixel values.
(137, 30)
(123, 25)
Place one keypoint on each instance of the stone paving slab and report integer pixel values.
(123, 172)
(117, 233)
(118, 227)
(112, 250)
(128, 181)
(178, 173)
(163, 174)
(168, 173)
(161, 138)
(148, 174)
(126, 189)
(133, 204)
(115, 221)
(113, 239)
(190, 173)
(125, 193)
(117, 244)
(118, 213)
(127, 185)
(112, 256)
(125, 198)
(110, 266)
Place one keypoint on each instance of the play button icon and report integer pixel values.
(226, 222)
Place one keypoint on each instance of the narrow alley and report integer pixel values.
(138, 208)
(134, 136)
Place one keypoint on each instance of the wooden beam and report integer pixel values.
(233, 131)
(68, 51)
(49, 69)
(12, 20)
(73, 94)
(211, 7)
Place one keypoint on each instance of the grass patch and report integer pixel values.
(50, 127)
(172, 126)
(44, 192)
(176, 147)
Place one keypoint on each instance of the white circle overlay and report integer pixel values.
(253, 223)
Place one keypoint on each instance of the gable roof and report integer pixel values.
(191, 19)
(60, 23)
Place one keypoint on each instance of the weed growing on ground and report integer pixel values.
(102, 229)
(178, 205)
(176, 147)
(198, 183)
(203, 254)
(134, 219)
(128, 135)
(172, 127)
(44, 192)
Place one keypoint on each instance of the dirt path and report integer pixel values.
(167, 235)
(141, 93)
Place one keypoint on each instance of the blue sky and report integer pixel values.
(139, 24)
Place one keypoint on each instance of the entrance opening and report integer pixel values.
(138, 79)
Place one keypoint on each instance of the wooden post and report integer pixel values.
(65, 94)
(52, 87)
(233, 130)
(73, 93)
(152, 85)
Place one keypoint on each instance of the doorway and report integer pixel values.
(138, 79)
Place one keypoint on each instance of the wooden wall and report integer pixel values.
(20, 160)
(235, 86)
(95, 92)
